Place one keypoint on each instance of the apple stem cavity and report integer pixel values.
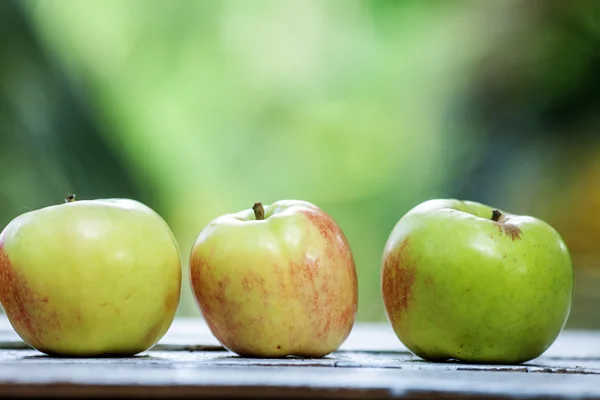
(259, 211)
(70, 198)
(496, 215)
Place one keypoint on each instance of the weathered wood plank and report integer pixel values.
(372, 363)
(187, 379)
(391, 360)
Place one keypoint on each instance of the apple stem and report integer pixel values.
(70, 198)
(259, 211)
(496, 215)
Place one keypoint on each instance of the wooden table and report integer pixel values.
(372, 363)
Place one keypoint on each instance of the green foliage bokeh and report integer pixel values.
(204, 107)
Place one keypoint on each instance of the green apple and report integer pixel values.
(275, 281)
(464, 281)
(90, 277)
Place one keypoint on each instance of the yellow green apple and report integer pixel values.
(90, 277)
(465, 281)
(275, 280)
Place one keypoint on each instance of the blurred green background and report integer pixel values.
(365, 108)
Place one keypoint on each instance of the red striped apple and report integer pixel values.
(90, 277)
(275, 281)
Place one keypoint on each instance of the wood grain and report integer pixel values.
(188, 362)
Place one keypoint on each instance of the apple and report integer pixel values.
(90, 277)
(461, 280)
(275, 280)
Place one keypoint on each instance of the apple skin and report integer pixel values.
(458, 285)
(90, 277)
(285, 285)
